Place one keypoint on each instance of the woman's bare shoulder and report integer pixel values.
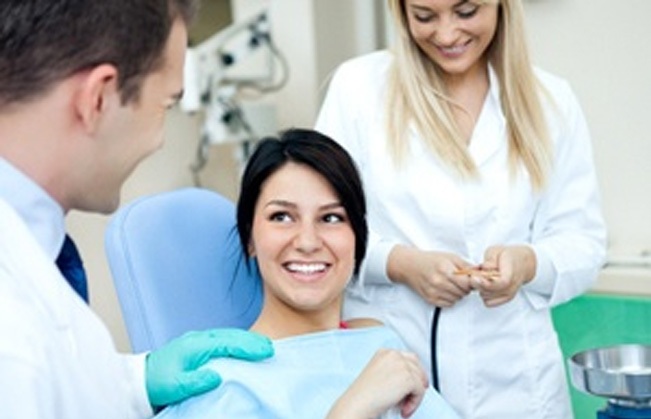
(362, 322)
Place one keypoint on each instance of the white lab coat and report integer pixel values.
(57, 359)
(501, 362)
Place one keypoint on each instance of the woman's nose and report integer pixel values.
(307, 239)
(446, 32)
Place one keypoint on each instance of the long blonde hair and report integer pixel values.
(417, 95)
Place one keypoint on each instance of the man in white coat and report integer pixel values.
(84, 87)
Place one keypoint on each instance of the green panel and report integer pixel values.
(598, 320)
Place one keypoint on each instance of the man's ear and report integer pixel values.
(97, 90)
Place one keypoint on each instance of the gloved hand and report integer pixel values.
(172, 373)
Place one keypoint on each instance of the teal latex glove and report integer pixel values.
(172, 373)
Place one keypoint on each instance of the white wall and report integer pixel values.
(314, 35)
(603, 48)
(294, 27)
(600, 46)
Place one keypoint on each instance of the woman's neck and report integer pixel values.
(469, 93)
(278, 323)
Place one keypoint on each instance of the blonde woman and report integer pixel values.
(482, 199)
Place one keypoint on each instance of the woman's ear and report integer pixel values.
(250, 250)
(98, 90)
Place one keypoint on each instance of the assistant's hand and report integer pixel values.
(516, 266)
(430, 274)
(392, 378)
(172, 373)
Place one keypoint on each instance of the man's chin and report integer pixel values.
(105, 207)
(112, 206)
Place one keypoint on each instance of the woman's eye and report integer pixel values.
(423, 18)
(467, 11)
(334, 218)
(280, 217)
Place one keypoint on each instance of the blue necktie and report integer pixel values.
(72, 268)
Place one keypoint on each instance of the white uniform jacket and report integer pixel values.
(502, 362)
(57, 359)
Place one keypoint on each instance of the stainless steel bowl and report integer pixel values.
(620, 373)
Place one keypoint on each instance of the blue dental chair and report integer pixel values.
(177, 266)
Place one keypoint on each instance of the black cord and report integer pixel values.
(435, 325)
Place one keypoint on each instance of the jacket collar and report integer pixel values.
(489, 134)
(42, 215)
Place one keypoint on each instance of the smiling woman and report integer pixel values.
(302, 215)
(436, 29)
(304, 245)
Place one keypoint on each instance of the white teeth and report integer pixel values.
(453, 50)
(307, 268)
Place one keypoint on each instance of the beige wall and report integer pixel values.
(599, 46)
(294, 30)
(602, 47)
